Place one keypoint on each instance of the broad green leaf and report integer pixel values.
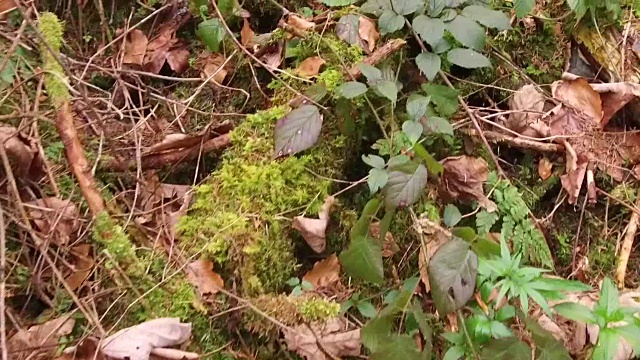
(390, 22)
(417, 106)
(429, 64)
(376, 332)
(298, 130)
(367, 309)
(524, 7)
(435, 7)
(363, 259)
(510, 348)
(468, 59)
(434, 167)
(406, 7)
(485, 221)
(425, 329)
(557, 284)
(351, 89)
(452, 215)
(345, 306)
(361, 227)
(371, 73)
(607, 346)
(500, 330)
(211, 32)
(374, 161)
(452, 274)
(631, 333)
(505, 313)
(438, 125)
(454, 353)
(444, 98)
(227, 7)
(388, 89)
(467, 32)
(405, 185)
(487, 17)
(547, 346)
(397, 347)
(338, 2)
(430, 30)
(376, 7)
(385, 224)
(378, 178)
(579, 7)
(448, 15)
(441, 47)
(402, 300)
(575, 311)
(609, 300)
(293, 281)
(9, 71)
(413, 130)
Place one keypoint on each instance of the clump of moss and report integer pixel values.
(112, 237)
(55, 81)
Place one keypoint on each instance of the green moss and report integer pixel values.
(288, 310)
(112, 237)
(55, 80)
(319, 309)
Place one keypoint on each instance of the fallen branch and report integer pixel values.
(515, 141)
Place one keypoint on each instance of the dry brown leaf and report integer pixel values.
(43, 338)
(213, 66)
(20, 150)
(310, 66)
(545, 168)
(367, 31)
(82, 266)
(55, 218)
(530, 103)
(324, 272)
(332, 336)
(135, 47)
(573, 179)
(299, 22)
(614, 97)
(137, 342)
(273, 55)
(579, 95)
(433, 240)
(463, 180)
(389, 245)
(87, 349)
(314, 230)
(246, 34)
(6, 6)
(178, 59)
(200, 273)
(165, 47)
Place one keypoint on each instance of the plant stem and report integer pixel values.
(467, 337)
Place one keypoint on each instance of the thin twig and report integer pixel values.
(3, 266)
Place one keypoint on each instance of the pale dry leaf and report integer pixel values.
(178, 59)
(299, 22)
(273, 55)
(246, 34)
(580, 96)
(172, 354)
(200, 273)
(368, 32)
(433, 240)
(82, 265)
(573, 179)
(324, 272)
(310, 66)
(614, 97)
(545, 168)
(213, 69)
(44, 337)
(55, 218)
(529, 104)
(389, 245)
(19, 150)
(463, 180)
(333, 336)
(135, 47)
(314, 230)
(137, 342)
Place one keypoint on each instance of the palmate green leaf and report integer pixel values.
(452, 274)
(378, 178)
(575, 311)
(467, 32)
(351, 89)
(452, 215)
(417, 106)
(405, 185)
(510, 348)
(607, 345)
(406, 7)
(468, 59)
(390, 22)
(487, 17)
(413, 130)
(338, 2)
(363, 259)
(298, 130)
(430, 30)
(429, 64)
(211, 32)
(438, 125)
(524, 7)
(397, 347)
(444, 98)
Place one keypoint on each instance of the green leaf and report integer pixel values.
(467, 32)
(376, 332)
(505, 313)
(575, 311)
(293, 281)
(510, 348)
(405, 185)
(435, 7)
(367, 309)
(524, 7)
(631, 333)
(579, 7)
(351, 89)
(211, 32)
(448, 15)
(454, 353)
(485, 221)
(9, 71)
(345, 306)
(438, 125)
(452, 215)
(417, 106)
(425, 329)
(434, 167)
(390, 22)
(406, 7)
(547, 346)
(377, 179)
(371, 73)
(338, 2)
(413, 130)
(388, 89)
(401, 301)
(376, 7)
(429, 64)
(487, 17)
(609, 300)
(444, 98)
(298, 130)
(374, 161)
(227, 7)
(607, 346)
(397, 347)
(441, 47)
(452, 274)
(430, 30)
(363, 259)
(468, 59)
(500, 330)
(361, 227)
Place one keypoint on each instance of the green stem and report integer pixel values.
(467, 337)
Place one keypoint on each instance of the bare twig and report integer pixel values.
(627, 245)
(3, 265)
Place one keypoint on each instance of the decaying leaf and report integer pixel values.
(433, 240)
(573, 179)
(54, 218)
(324, 272)
(314, 230)
(82, 266)
(213, 69)
(332, 336)
(389, 245)
(310, 66)
(165, 47)
(579, 95)
(246, 34)
(137, 342)
(6, 6)
(368, 32)
(299, 22)
(135, 47)
(463, 179)
(200, 273)
(87, 349)
(42, 338)
(529, 103)
(273, 55)
(545, 168)
(21, 151)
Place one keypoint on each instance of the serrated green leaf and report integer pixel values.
(607, 345)
(413, 130)
(452, 275)
(388, 89)
(338, 2)
(376, 332)
(452, 215)
(487, 17)
(467, 32)
(405, 185)
(397, 347)
(378, 178)
(575, 311)
(351, 89)
(430, 30)
(524, 7)
(609, 300)
(211, 32)
(367, 309)
(417, 106)
(510, 348)
(298, 130)
(468, 59)
(406, 7)
(448, 15)
(485, 221)
(363, 259)
(390, 22)
(438, 125)
(374, 161)
(371, 73)
(429, 64)
(444, 98)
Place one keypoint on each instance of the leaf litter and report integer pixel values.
(314, 230)
(323, 341)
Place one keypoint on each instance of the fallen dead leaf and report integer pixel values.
(389, 245)
(138, 342)
(135, 47)
(314, 230)
(213, 67)
(246, 34)
(367, 32)
(54, 218)
(433, 240)
(305, 339)
(529, 103)
(545, 168)
(324, 272)
(273, 55)
(463, 179)
(614, 97)
(20, 150)
(579, 95)
(82, 266)
(310, 66)
(165, 47)
(573, 179)
(87, 349)
(178, 59)
(299, 22)
(44, 337)
(6, 6)
(200, 273)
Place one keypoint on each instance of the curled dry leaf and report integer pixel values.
(389, 245)
(246, 34)
(324, 272)
(299, 22)
(213, 69)
(433, 240)
(529, 103)
(463, 179)
(368, 32)
(165, 47)
(314, 230)
(545, 168)
(200, 273)
(311, 341)
(55, 218)
(82, 266)
(310, 66)
(43, 338)
(137, 342)
(273, 55)
(21, 151)
(579, 95)
(135, 47)
(574, 177)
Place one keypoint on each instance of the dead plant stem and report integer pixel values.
(3, 266)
